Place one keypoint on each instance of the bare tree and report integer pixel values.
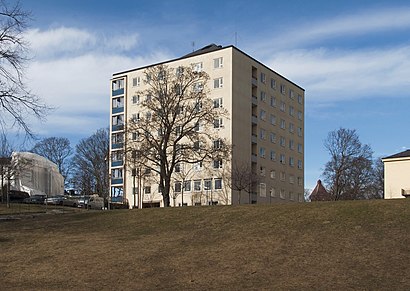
(16, 102)
(90, 164)
(348, 173)
(243, 178)
(58, 150)
(176, 123)
(378, 179)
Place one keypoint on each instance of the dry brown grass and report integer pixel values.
(362, 245)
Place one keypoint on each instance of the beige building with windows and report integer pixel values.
(265, 127)
(397, 175)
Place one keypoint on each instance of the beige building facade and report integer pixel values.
(265, 126)
(397, 175)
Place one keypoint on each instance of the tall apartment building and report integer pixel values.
(265, 127)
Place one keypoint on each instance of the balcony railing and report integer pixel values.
(254, 158)
(117, 145)
(254, 100)
(117, 181)
(117, 110)
(254, 119)
(254, 138)
(117, 127)
(116, 163)
(254, 81)
(118, 92)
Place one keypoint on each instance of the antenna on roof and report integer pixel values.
(193, 46)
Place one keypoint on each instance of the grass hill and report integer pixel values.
(319, 246)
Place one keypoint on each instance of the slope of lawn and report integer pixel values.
(361, 245)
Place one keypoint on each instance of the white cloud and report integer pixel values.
(330, 75)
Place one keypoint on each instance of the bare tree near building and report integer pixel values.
(348, 173)
(5, 164)
(176, 123)
(378, 179)
(58, 150)
(243, 178)
(90, 164)
(17, 103)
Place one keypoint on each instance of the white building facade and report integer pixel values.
(265, 127)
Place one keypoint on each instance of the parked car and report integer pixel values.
(83, 201)
(70, 201)
(95, 202)
(55, 200)
(17, 196)
(35, 199)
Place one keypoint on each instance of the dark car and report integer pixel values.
(18, 196)
(55, 200)
(35, 199)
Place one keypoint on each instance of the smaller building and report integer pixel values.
(397, 175)
(35, 175)
(320, 193)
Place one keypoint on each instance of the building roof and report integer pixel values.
(319, 193)
(207, 49)
(404, 154)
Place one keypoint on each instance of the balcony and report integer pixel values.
(117, 145)
(254, 138)
(117, 110)
(118, 92)
(116, 163)
(254, 158)
(254, 81)
(117, 127)
(254, 100)
(254, 119)
(116, 181)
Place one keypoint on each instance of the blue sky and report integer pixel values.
(352, 58)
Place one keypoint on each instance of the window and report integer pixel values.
(291, 179)
(282, 124)
(148, 98)
(262, 152)
(135, 135)
(218, 103)
(177, 168)
(299, 164)
(147, 189)
(273, 174)
(197, 185)
(198, 87)
(262, 171)
(197, 127)
(218, 164)
(197, 67)
(118, 102)
(117, 138)
(273, 119)
(147, 171)
(300, 115)
(198, 166)
(300, 99)
(300, 181)
(118, 120)
(291, 161)
(178, 130)
(273, 137)
(218, 184)
(117, 156)
(272, 155)
(273, 84)
(179, 71)
(197, 145)
(291, 94)
(208, 184)
(282, 176)
(263, 78)
(218, 123)
(136, 81)
(272, 192)
(263, 114)
(273, 101)
(198, 106)
(116, 173)
(262, 189)
(148, 115)
(262, 134)
(218, 83)
(282, 141)
(282, 106)
(291, 196)
(135, 117)
(118, 84)
(282, 89)
(217, 144)
(136, 99)
(282, 159)
(291, 111)
(187, 186)
(282, 193)
(291, 144)
(263, 96)
(300, 148)
(178, 186)
(291, 127)
(299, 131)
(218, 63)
